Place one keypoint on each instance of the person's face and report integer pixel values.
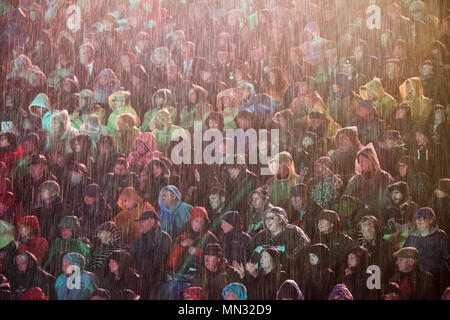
(28, 147)
(142, 177)
(159, 100)
(38, 110)
(226, 227)
(399, 52)
(206, 76)
(113, 266)
(89, 201)
(233, 172)
(147, 225)
(421, 139)
(172, 74)
(243, 123)
(85, 55)
(405, 264)
(168, 198)
(21, 264)
(215, 201)
(258, 202)
(118, 101)
(105, 236)
(45, 195)
(222, 56)
(129, 204)
(352, 260)
(297, 201)
(230, 295)
(427, 70)
(365, 164)
(424, 223)
(213, 124)
(397, 197)
(303, 88)
(141, 148)
(266, 262)
(273, 222)
(198, 224)
(157, 171)
(226, 101)
(76, 146)
(313, 259)
(211, 262)
(120, 169)
(345, 144)
(391, 70)
(24, 231)
(66, 233)
(65, 266)
(283, 171)
(315, 122)
(142, 44)
(402, 169)
(125, 61)
(36, 171)
(192, 96)
(368, 230)
(325, 226)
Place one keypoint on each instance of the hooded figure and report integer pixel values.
(189, 246)
(340, 104)
(119, 102)
(65, 243)
(105, 84)
(11, 211)
(234, 242)
(228, 104)
(28, 274)
(289, 290)
(174, 218)
(284, 178)
(333, 238)
(340, 292)
(126, 133)
(254, 221)
(197, 110)
(140, 158)
(278, 233)
(61, 133)
(369, 182)
(32, 241)
(237, 289)
(344, 157)
(316, 277)
(104, 247)
(384, 102)
(122, 277)
(24, 68)
(41, 109)
(161, 99)
(132, 207)
(412, 93)
(88, 281)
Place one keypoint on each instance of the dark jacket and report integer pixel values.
(91, 217)
(236, 242)
(34, 276)
(148, 254)
(305, 219)
(421, 284)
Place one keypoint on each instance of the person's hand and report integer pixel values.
(251, 268)
(186, 243)
(192, 250)
(239, 268)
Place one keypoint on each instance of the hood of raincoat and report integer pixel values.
(238, 289)
(127, 103)
(363, 257)
(123, 259)
(33, 263)
(32, 222)
(283, 157)
(247, 85)
(400, 186)
(332, 217)
(76, 259)
(352, 133)
(167, 95)
(148, 139)
(109, 74)
(342, 80)
(129, 193)
(63, 118)
(73, 223)
(41, 100)
(290, 289)
(376, 225)
(322, 252)
(340, 292)
(174, 190)
(111, 227)
(370, 153)
(226, 93)
(416, 83)
(161, 115)
(373, 86)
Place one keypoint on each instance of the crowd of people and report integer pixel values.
(94, 204)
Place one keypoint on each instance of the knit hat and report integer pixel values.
(34, 293)
(6, 234)
(199, 212)
(425, 212)
(407, 252)
(213, 249)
